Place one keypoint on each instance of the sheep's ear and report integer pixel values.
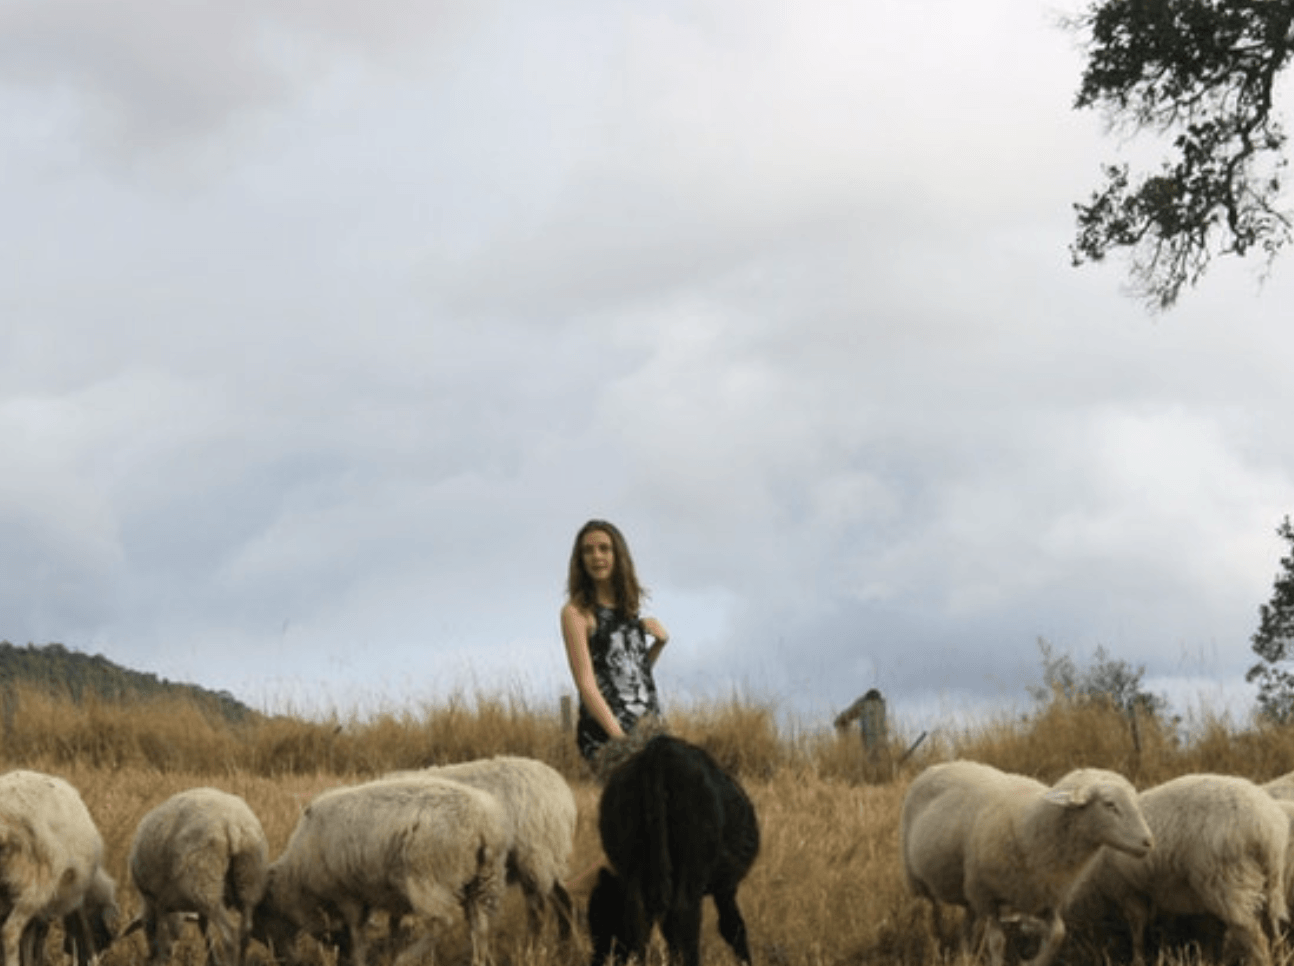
(1073, 797)
(1069, 797)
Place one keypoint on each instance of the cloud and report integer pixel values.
(784, 292)
(143, 82)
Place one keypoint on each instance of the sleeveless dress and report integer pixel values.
(618, 648)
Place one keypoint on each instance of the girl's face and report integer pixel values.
(598, 555)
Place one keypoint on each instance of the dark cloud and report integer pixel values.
(320, 424)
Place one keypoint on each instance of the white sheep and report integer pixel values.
(420, 846)
(1287, 806)
(540, 813)
(51, 867)
(1006, 846)
(1220, 849)
(201, 851)
(1281, 787)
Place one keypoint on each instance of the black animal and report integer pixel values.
(675, 827)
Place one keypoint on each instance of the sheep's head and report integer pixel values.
(1108, 803)
(273, 928)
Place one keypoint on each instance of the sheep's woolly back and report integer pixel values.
(53, 853)
(187, 849)
(1220, 848)
(539, 812)
(1282, 787)
(394, 845)
(1287, 806)
(940, 810)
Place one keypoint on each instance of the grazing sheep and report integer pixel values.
(540, 813)
(1220, 849)
(51, 867)
(675, 828)
(87, 931)
(1008, 848)
(201, 851)
(1282, 787)
(419, 846)
(1287, 806)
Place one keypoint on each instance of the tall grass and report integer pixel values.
(827, 889)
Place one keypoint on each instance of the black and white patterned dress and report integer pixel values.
(618, 647)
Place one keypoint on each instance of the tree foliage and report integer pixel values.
(59, 671)
(1108, 680)
(1201, 73)
(1273, 642)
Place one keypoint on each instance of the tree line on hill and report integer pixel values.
(58, 671)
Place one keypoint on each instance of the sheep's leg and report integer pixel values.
(560, 899)
(996, 940)
(936, 917)
(478, 909)
(1249, 937)
(33, 943)
(1137, 911)
(535, 904)
(354, 915)
(1053, 936)
(970, 924)
(421, 952)
(162, 931)
(223, 945)
(12, 935)
(78, 939)
(732, 927)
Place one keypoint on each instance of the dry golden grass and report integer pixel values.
(827, 889)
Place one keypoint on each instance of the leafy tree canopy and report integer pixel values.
(1201, 73)
(1273, 642)
(1107, 680)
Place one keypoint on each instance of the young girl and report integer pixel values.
(606, 640)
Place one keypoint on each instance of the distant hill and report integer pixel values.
(54, 668)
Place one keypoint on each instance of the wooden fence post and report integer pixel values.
(869, 711)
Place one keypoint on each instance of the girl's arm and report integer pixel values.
(657, 630)
(575, 633)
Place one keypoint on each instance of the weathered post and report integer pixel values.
(869, 711)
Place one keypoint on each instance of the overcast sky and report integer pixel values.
(322, 331)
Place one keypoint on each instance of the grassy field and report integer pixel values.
(827, 889)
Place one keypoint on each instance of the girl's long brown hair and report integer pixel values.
(624, 579)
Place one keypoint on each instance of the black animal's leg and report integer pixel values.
(682, 931)
(618, 922)
(732, 927)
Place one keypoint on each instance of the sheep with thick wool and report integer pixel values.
(1220, 849)
(1005, 845)
(51, 867)
(1281, 787)
(200, 851)
(540, 814)
(1287, 806)
(418, 846)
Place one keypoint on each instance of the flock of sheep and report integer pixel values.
(421, 846)
(426, 846)
(1014, 852)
